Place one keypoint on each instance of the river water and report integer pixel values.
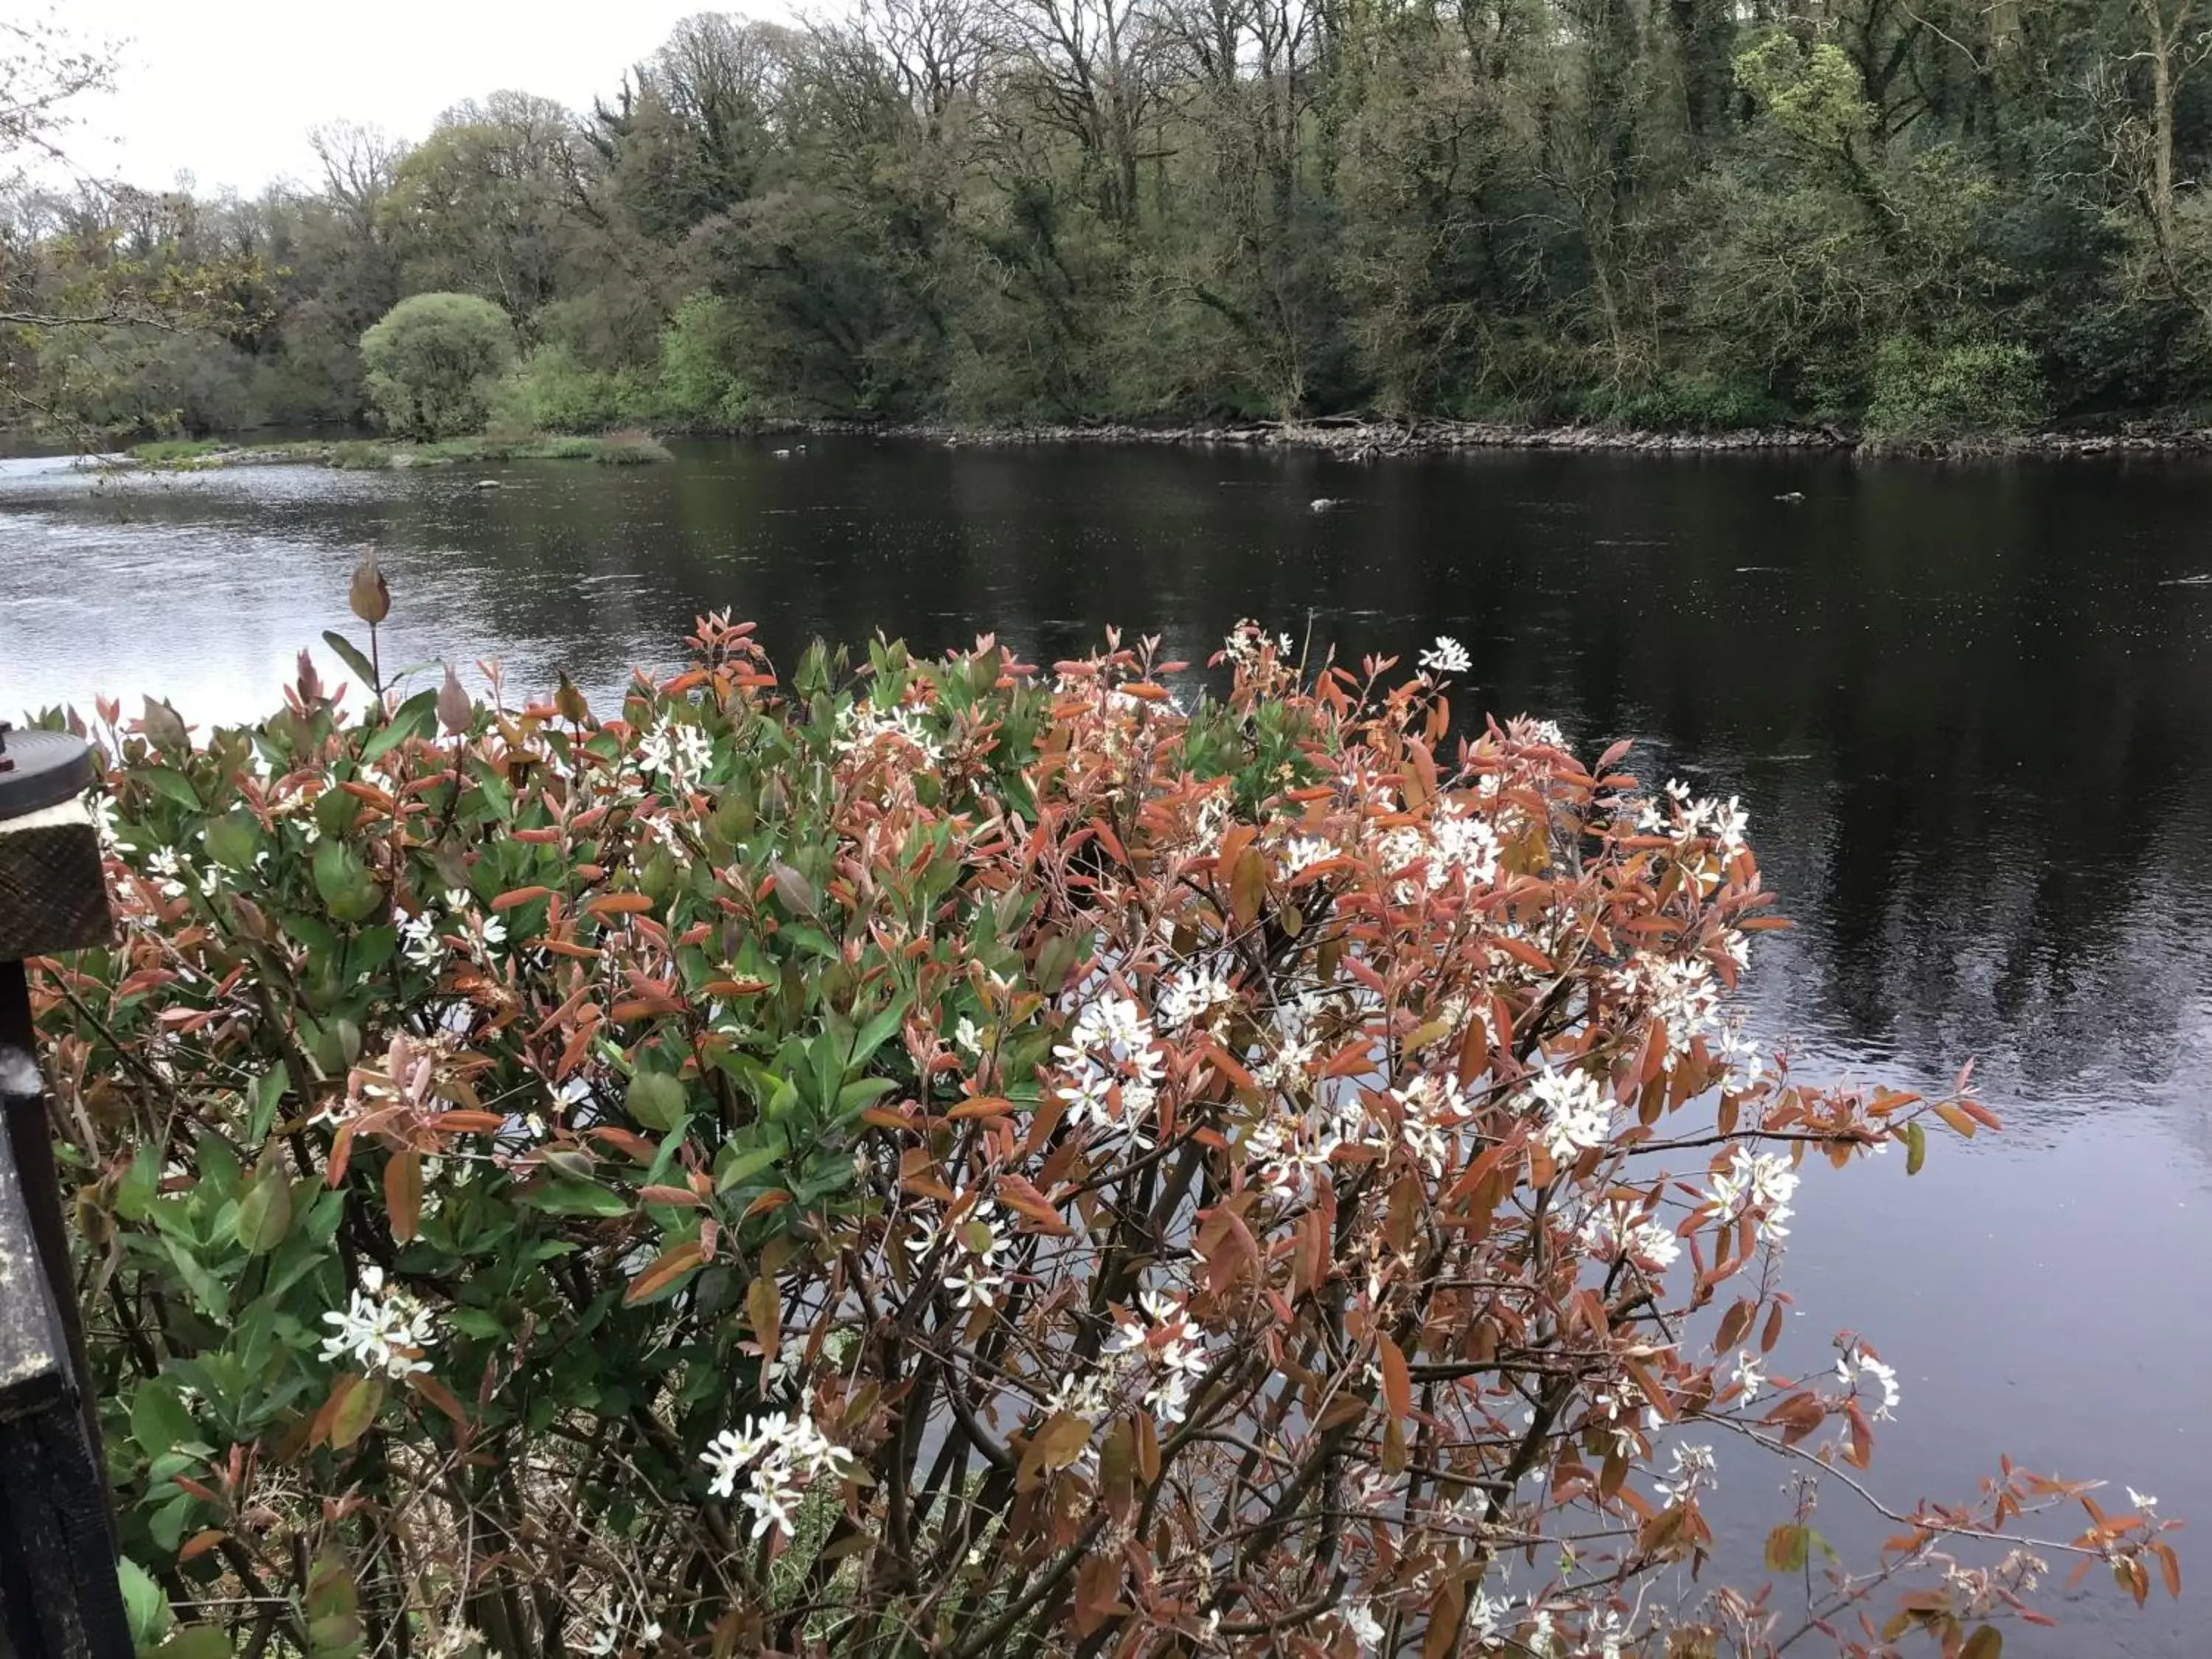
(1969, 708)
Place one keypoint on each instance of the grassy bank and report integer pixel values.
(382, 454)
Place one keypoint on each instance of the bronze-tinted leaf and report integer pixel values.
(369, 595)
(163, 727)
(569, 701)
(455, 709)
(356, 1411)
(764, 1311)
(403, 1194)
(1397, 1381)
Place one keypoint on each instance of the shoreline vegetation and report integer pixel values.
(1356, 439)
(395, 454)
(1341, 437)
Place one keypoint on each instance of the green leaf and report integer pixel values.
(264, 1214)
(350, 655)
(167, 1523)
(1786, 1547)
(311, 931)
(343, 880)
(576, 1198)
(743, 1164)
(877, 1032)
(198, 1642)
(268, 1094)
(656, 1100)
(1915, 1148)
(144, 1607)
(415, 717)
(174, 785)
(855, 1096)
(207, 1292)
(234, 839)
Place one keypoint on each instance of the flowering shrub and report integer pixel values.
(942, 1158)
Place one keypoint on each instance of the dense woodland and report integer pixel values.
(1913, 217)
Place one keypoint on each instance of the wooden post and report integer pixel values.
(60, 1598)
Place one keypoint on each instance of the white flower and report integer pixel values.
(1090, 1097)
(419, 939)
(1576, 1115)
(772, 1506)
(693, 751)
(655, 751)
(493, 932)
(966, 1037)
(786, 1455)
(2143, 1501)
(726, 1454)
(1869, 1366)
(1366, 1629)
(1462, 843)
(459, 898)
(1301, 853)
(1762, 1182)
(609, 1633)
(1112, 1022)
(1193, 994)
(1609, 1233)
(1447, 656)
(105, 818)
(163, 861)
(1482, 1615)
(861, 726)
(1084, 1396)
(1750, 1375)
(1693, 1469)
(1545, 733)
(1653, 1246)
(1287, 1068)
(977, 1288)
(380, 1331)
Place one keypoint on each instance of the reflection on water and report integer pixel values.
(1969, 708)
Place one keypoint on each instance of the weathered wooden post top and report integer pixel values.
(58, 1594)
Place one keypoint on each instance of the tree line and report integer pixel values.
(1914, 217)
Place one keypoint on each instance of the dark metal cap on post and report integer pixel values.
(40, 769)
(52, 894)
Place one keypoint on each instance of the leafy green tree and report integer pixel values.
(433, 362)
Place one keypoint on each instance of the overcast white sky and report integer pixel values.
(227, 91)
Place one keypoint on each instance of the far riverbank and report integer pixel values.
(1354, 439)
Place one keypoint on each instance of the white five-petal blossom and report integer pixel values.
(1447, 656)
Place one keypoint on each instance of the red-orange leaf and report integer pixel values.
(764, 1312)
(439, 1396)
(465, 1122)
(1397, 1381)
(665, 1271)
(519, 896)
(403, 1194)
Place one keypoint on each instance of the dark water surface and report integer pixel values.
(1969, 709)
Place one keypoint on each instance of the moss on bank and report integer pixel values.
(383, 454)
